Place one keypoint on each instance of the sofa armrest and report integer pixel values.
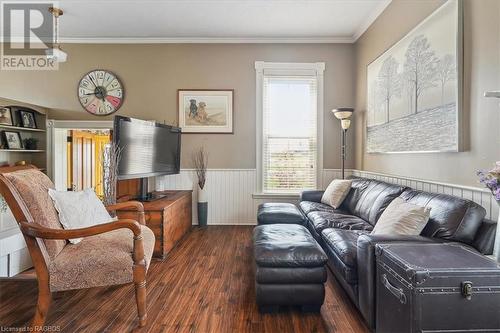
(366, 263)
(314, 195)
(485, 237)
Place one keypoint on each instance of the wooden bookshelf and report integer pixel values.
(23, 150)
(22, 129)
(37, 156)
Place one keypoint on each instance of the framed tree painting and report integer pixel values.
(205, 111)
(414, 97)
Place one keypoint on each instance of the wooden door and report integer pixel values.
(86, 149)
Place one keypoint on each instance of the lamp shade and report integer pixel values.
(342, 113)
(345, 123)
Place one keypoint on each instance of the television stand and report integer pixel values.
(169, 216)
(157, 195)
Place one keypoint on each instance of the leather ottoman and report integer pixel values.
(290, 268)
(270, 213)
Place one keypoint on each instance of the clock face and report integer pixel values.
(100, 93)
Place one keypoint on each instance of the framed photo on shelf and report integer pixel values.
(6, 116)
(13, 139)
(205, 110)
(27, 118)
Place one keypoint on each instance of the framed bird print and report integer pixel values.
(205, 111)
(100, 92)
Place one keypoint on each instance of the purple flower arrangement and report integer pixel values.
(491, 179)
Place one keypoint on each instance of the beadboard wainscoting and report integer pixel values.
(230, 192)
(481, 196)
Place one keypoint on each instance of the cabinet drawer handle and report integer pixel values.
(398, 292)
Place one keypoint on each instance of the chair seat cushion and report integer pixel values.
(100, 260)
(286, 245)
(270, 213)
(341, 245)
(323, 220)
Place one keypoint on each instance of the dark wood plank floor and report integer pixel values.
(205, 285)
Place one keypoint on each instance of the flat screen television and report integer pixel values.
(147, 148)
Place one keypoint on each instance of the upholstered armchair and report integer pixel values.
(113, 253)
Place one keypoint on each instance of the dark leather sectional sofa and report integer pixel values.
(344, 233)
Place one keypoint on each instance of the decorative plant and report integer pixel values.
(200, 162)
(30, 143)
(491, 179)
(110, 158)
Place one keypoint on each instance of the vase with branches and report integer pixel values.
(200, 163)
(110, 159)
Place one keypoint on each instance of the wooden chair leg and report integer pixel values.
(42, 308)
(140, 293)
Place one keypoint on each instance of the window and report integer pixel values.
(289, 151)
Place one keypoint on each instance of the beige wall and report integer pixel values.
(152, 74)
(482, 73)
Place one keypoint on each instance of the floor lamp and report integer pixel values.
(343, 114)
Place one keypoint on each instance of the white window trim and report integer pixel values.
(288, 68)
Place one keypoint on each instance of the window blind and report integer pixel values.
(289, 133)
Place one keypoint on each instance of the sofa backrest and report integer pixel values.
(368, 198)
(451, 218)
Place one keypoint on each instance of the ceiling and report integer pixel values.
(237, 21)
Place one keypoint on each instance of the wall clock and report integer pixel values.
(100, 92)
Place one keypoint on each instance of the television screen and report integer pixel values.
(147, 148)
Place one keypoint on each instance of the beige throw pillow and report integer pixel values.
(402, 218)
(336, 192)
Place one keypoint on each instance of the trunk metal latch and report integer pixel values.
(467, 290)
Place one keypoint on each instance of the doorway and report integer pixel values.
(84, 159)
(75, 153)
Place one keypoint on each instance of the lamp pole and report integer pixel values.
(343, 114)
(342, 153)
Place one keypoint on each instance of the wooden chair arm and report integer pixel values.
(130, 204)
(38, 231)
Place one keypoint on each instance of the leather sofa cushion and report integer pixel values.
(310, 206)
(322, 220)
(342, 244)
(286, 245)
(269, 213)
(369, 198)
(296, 275)
(451, 218)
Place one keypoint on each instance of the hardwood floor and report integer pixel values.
(206, 284)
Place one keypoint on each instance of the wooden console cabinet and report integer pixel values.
(168, 217)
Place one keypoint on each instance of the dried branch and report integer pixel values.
(200, 162)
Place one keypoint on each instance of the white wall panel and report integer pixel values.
(230, 192)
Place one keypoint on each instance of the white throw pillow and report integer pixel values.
(402, 218)
(79, 209)
(336, 192)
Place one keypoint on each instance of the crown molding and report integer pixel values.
(208, 40)
(370, 19)
(193, 40)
